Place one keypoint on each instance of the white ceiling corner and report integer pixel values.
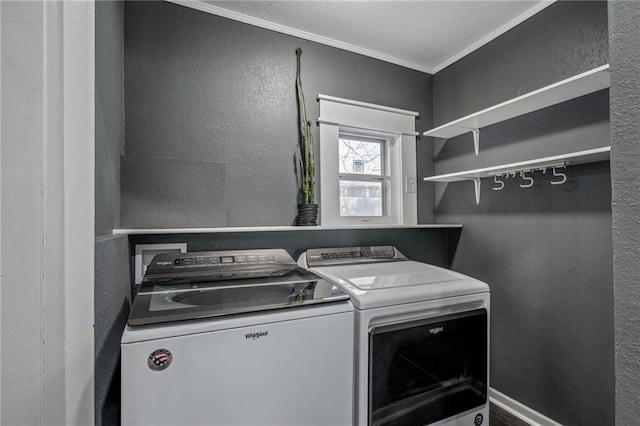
(425, 35)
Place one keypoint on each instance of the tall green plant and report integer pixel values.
(306, 162)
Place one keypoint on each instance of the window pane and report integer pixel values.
(358, 198)
(361, 156)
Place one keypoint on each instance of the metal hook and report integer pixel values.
(527, 178)
(558, 182)
(499, 182)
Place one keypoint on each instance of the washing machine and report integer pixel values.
(237, 338)
(421, 337)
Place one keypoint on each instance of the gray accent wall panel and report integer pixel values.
(201, 87)
(164, 192)
(624, 30)
(112, 300)
(545, 251)
(109, 112)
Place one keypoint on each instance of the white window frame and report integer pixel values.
(397, 127)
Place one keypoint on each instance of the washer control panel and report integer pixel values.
(213, 262)
(255, 259)
(347, 255)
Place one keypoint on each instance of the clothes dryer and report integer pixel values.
(421, 337)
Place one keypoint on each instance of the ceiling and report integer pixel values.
(426, 35)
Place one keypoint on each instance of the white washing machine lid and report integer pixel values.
(374, 284)
(203, 285)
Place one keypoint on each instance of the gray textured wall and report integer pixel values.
(112, 299)
(563, 40)
(624, 33)
(112, 288)
(546, 251)
(109, 112)
(211, 104)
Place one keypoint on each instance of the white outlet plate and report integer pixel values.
(145, 253)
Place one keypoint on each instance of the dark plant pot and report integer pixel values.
(307, 215)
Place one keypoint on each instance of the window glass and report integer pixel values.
(361, 168)
(361, 156)
(361, 198)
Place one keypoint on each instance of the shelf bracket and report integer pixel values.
(476, 140)
(476, 185)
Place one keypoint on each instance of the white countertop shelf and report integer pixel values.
(275, 229)
(573, 87)
(570, 159)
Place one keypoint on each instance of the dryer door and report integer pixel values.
(424, 371)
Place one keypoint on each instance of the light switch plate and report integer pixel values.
(409, 184)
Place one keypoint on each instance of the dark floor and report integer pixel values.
(499, 417)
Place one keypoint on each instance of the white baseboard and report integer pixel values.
(519, 410)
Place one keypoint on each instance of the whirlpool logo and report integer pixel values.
(256, 335)
(436, 330)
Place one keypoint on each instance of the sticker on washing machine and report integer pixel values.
(478, 420)
(160, 359)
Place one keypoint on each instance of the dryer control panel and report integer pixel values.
(348, 255)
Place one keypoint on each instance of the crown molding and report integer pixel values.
(305, 35)
(494, 34)
(262, 23)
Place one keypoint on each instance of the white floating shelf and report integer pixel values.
(571, 88)
(570, 159)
